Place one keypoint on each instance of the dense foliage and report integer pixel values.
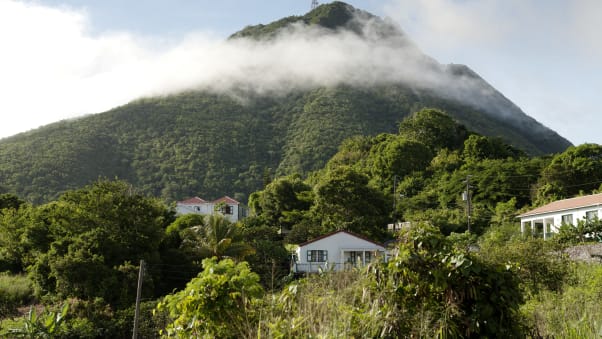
(428, 164)
(79, 254)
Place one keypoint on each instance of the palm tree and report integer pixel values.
(220, 238)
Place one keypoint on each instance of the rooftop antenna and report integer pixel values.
(314, 4)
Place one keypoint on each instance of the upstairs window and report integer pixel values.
(317, 256)
(225, 209)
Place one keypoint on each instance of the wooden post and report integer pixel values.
(138, 293)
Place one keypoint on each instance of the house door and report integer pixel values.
(353, 257)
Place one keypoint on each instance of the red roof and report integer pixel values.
(192, 201)
(335, 232)
(566, 204)
(227, 200)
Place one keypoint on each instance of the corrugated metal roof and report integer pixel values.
(566, 204)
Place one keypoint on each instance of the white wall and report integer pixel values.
(578, 214)
(208, 209)
(336, 244)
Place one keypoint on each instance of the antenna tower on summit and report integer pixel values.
(314, 4)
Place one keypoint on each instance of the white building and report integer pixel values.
(546, 220)
(337, 251)
(228, 207)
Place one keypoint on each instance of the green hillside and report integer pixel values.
(207, 144)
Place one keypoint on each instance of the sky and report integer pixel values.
(62, 59)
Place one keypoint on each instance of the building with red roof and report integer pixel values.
(230, 208)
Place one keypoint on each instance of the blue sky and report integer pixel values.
(65, 58)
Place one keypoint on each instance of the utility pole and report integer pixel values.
(314, 4)
(138, 293)
(466, 196)
(395, 177)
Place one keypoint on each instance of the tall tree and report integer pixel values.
(578, 169)
(344, 200)
(434, 128)
(218, 238)
(93, 237)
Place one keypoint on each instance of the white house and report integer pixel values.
(336, 251)
(546, 220)
(228, 207)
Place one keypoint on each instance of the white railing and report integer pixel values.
(315, 267)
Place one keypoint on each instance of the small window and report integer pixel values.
(226, 209)
(567, 219)
(317, 256)
(591, 215)
(197, 208)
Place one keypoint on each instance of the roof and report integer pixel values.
(341, 231)
(566, 204)
(227, 200)
(192, 201)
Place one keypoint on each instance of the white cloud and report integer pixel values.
(50, 66)
(54, 69)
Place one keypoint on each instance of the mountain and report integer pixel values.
(210, 143)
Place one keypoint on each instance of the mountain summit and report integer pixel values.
(333, 16)
(303, 85)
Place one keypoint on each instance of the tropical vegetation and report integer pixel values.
(71, 265)
(86, 208)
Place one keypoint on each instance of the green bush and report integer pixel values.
(539, 264)
(219, 302)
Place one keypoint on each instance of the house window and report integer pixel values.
(567, 219)
(197, 208)
(226, 209)
(317, 256)
(368, 256)
(591, 215)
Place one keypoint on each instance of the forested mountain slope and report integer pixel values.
(208, 143)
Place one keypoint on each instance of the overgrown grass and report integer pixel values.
(15, 291)
(329, 305)
(573, 312)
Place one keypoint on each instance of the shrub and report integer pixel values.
(217, 303)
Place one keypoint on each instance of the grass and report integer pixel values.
(15, 291)
(573, 312)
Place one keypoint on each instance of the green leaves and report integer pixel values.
(218, 302)
(575, 170)
(76, 245)
(433, 278)
(218, 238)
(44, 325)
(433, 128)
